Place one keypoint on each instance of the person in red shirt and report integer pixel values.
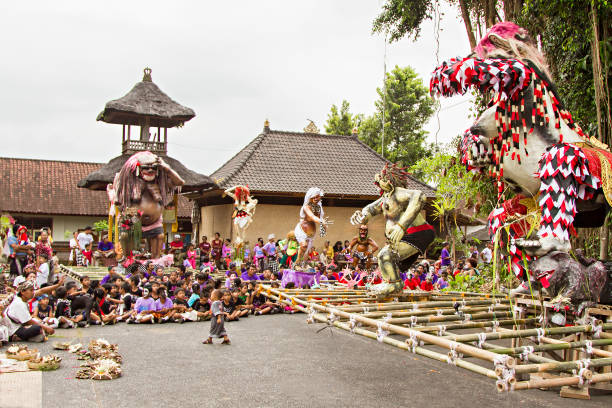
(412, 283)
(217, 247)
(205, 248)
(427, 285)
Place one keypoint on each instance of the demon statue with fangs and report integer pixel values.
(408, 234)
(528, 142)
(141, 190)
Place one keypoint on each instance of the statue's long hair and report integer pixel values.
(519, 45)
(242, 193)
(130, 186)
(396, 175)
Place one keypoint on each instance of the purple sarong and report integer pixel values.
(300, 278)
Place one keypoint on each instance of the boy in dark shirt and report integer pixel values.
(202, 307)
(241, 308)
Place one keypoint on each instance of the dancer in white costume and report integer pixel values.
(311, 214)
(244, 210)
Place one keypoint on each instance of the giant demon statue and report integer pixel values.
(144, 186)
(529, 143)
(408, 234)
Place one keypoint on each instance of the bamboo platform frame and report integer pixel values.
(461, 328)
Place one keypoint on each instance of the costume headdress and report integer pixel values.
(312, 192)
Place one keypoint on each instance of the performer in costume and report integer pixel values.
(142, 188)
(408, 234)
(362, 244)
(290, 248)
(311, 214)
(244, 210)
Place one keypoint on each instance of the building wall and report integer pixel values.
(280, 219)
(62, 225)
(65, 225)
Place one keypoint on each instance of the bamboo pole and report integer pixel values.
(475, 368)
(420, 336)
(448, 318)
(412, 305)
(559, 382)
(425, 312)
(556, 346)
(509, 334)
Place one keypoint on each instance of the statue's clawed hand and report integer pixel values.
(396, 234)
(358, 218)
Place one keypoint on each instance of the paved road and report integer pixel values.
(274, 361)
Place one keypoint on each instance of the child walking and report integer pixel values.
(217, 327)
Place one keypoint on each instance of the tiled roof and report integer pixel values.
(279, 161)
(50, 187)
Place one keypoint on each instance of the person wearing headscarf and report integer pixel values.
(311, 215)
(18, 320)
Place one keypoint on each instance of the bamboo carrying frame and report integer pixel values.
(577, 357)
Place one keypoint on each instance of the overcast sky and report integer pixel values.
(235, 63)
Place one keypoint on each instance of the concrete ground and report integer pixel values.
(274, 361)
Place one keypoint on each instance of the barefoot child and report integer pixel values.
(217, 328)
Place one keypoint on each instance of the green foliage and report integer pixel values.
(566, 31)
(455, 187)
(403, 108)
(401, 18)
(101, 225)
(342, 122)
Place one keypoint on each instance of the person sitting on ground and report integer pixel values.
(442, 282)
(105, 252)
(164, 308)
(181, 307)
(44, 312)
(250, 274)
(413, 282)
(267, 275)
(111, 276)
(195, 295)
(231, 313)
(135, 289)
(470, 268)
(459, 268)
(102, 311)
(20, 324)
(202, 306)
(241, 308)
(143, 307)
(124, 309)
(427, 284)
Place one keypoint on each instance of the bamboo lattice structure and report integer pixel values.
(486, 334)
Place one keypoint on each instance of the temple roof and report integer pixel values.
(98, 179)
(146, 100)
(291, 162)
(49, 187)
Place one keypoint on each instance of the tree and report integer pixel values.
(400, 18)
(404, 106)
(456, 189)
(342, 122)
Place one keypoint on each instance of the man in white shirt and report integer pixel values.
(487, 254)
(17, 318)
(85, 238)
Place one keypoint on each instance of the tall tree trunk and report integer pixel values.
(465, 15)
(603, 243)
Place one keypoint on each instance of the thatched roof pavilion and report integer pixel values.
(146, 102)
(148, 107)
